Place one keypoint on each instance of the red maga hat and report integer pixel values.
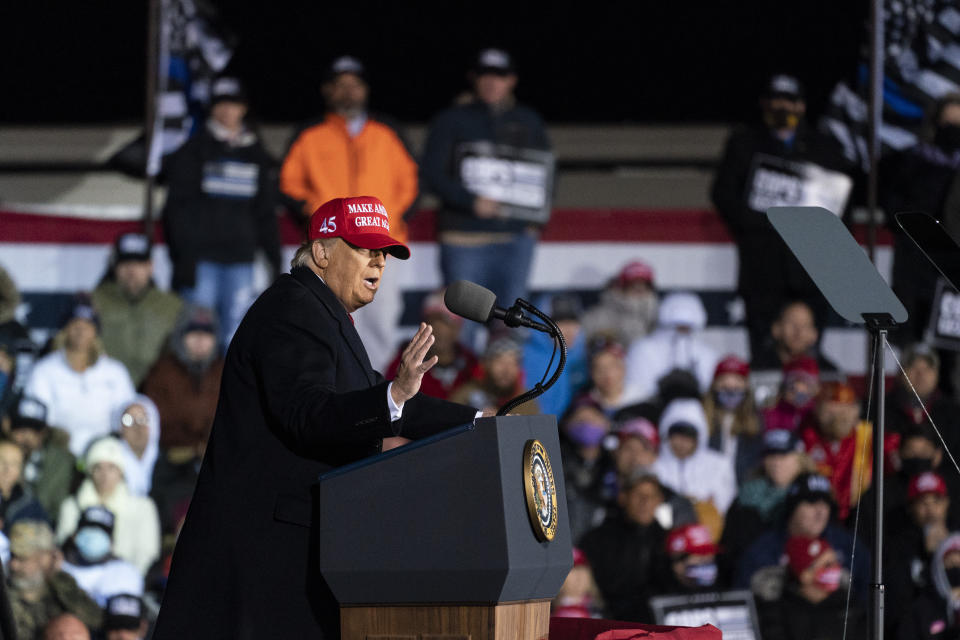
(361, 221)
(692, 539)
(924, 483)
(802, 365)
(802, 552)
(635, 271)
(732, 364)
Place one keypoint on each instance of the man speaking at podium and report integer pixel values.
(298, 397)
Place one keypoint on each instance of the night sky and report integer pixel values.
(592, 62)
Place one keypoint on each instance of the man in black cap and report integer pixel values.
(125, 618)
(220, 209)
(764, 165)
(135, 316)
(89, 559)
(482, 237)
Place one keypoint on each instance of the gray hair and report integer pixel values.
(304, 253)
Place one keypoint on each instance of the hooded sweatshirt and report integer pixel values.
(139, 471)
(675, 344)
(705, 474)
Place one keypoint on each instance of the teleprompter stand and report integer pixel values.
(856, 291)
(434, 540)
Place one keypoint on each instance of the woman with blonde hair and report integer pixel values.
(79, 384)
(732, 417)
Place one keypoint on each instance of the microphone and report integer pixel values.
(473, 302)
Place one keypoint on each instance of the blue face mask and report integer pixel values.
(702, 575)
(729, 399)
(93, 543)
(586, 434)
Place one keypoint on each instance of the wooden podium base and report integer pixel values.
(528, 620)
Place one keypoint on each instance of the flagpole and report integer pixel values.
(150, 107)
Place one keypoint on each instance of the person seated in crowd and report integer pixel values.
(732, 417)
(79, 384)
(809, 513)
(692, 554)
(16, 500)
(627, 309)
(125, 618)
(137, 427)
(502, 380)
(538, 350)
(184, 384)
(798, 393)
(579, 596)
(638, 442)
(812, 602)
(626, 551)
(588, 470)
(904, 409)
(761, 501)
(840, 444)
(66, 626)
(911, 542)
(456, 364)
(606, 388)
(87, 557)
(933, 613)
(135, 316)
(39, 589)
(49, 467)
(688, 466)
(793, 334)
(220, 209)
(675, 344)
(136, 534)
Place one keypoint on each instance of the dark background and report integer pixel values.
(77, 62)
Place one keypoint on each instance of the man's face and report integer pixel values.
(135, 427)
(809, 519)
(503, 370)
(493, 88)
(27, 572)
(607, 370)
(929, 509)
(346, 95)
(923, 376)
(199, 344)
(133, 276)
(28, 439)
(353, 273)
(795, 330)
(640, 502)
(229, 114)
(634, 453)
(837, 419)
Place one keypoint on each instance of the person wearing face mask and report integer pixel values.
(136, 534)
(799, 389)
(627, 308)
(935, 612)
(732, 417)
(922, 178)
(769, 274)
(88, 558)
(588, 469)
(692, 555)
(813, 600)
(761, 501)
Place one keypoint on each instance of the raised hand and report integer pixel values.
(412, 366)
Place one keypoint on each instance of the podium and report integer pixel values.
(448, 538)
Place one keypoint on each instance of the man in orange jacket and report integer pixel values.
(349, 154)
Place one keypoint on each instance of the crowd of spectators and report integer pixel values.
(686, 470)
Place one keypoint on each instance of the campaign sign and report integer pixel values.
(943, 331)
(521, 180)
(733, 612)
(776, 182)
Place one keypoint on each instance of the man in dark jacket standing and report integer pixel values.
(470, 150)
(298, 397)
(220, 209)
(761, 167)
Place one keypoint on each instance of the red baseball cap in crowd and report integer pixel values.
(639, 428)
(634, 272)
(924, 483)
(803, 366)
(691, 539)
(361, 221)
(732, 364)
(802, 552)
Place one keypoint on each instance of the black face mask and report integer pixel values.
(953, 576)
(910, 467)
(948, 137)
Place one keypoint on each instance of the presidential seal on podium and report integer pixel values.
(541, 490)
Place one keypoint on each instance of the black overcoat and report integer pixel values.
(298, 397)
